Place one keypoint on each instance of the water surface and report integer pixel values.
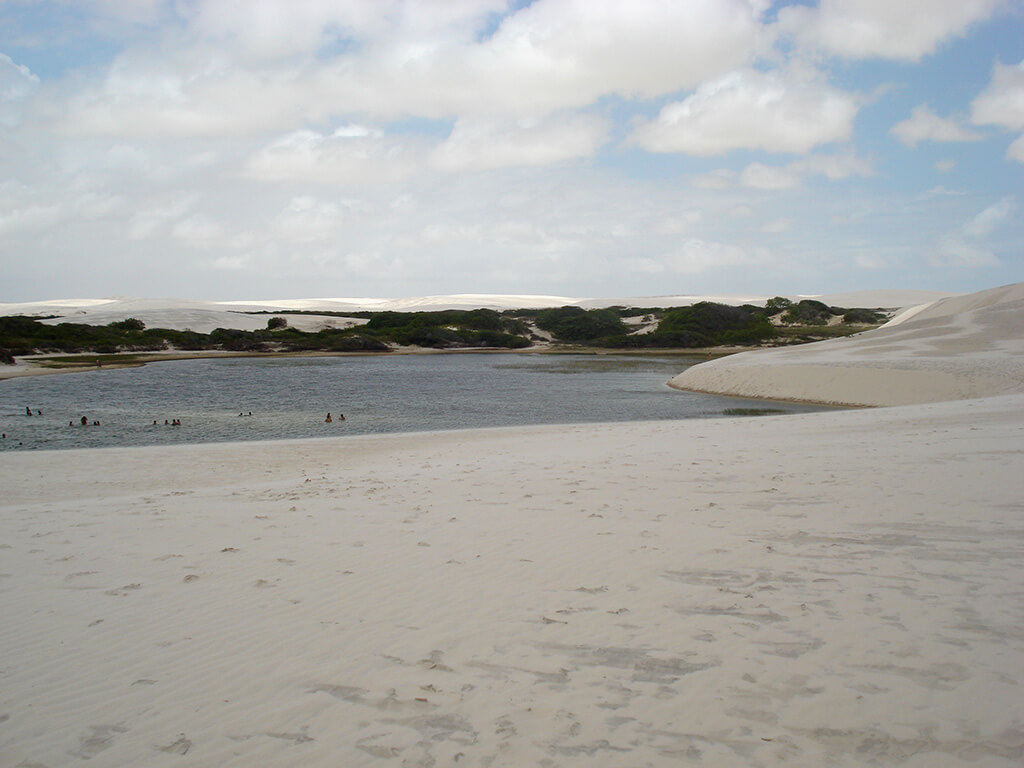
(289, 397)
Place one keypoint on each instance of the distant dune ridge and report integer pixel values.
(205, 316)
(841, 588)
(955, 348)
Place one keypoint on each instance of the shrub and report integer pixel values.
(808, 312)
(128, 324)
(709, 324)
(576, 325)
(863, 316)
(275, 323)
(778, 304)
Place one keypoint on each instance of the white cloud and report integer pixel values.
(17, 84)
(307, 219)
(557, 48)
(352, 154)
(720, 178)
(872, 261)
(970, 246)
(760, 176)
(230, 263)
(475, 145)
(956, 252)
(696, 255)
(145, 223)
(1016, 150)
(924, 125)
(989, 219)
(31, 218)
(270, 30)
(777, 177)
(679, 223)
(891, 29)
(241, 68)
(834, 167)
(945, 166)
(359, 154)
(437, 145)
(189, 92)
(791, 111)
(198, 229)
(94, 205)
(1002, 104)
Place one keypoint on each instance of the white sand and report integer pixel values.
(205, 316)
(956, 348)
(833, 589)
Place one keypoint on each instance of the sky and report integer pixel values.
(272, 149)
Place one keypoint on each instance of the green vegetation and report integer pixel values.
(23, 336)
(449, 328)
(863, 317)
(808, 312)
(804, 334)
(707, 324)
(26, 336)
(576, 325)
(778, 304)
(702, 325)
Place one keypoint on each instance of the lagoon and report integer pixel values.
(289, 397)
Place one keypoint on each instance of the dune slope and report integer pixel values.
(956, 348)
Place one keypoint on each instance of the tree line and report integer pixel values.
(704, 324)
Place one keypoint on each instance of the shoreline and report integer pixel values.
(832, 588)
(829, 588)
(21, 369)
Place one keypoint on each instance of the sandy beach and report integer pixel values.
(833, 589)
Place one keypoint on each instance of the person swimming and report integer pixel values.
(328, 420)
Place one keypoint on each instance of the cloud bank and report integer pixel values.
(233, 149)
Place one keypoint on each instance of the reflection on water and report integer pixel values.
(290, 397)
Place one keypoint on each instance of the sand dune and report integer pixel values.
(205, 316)
(955, 348)
(832, 589)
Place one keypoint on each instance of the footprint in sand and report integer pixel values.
(122, 591)
(101, 738)
(179, 747)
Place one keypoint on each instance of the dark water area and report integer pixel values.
(290, 397)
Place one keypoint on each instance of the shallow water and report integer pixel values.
(290, 397)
